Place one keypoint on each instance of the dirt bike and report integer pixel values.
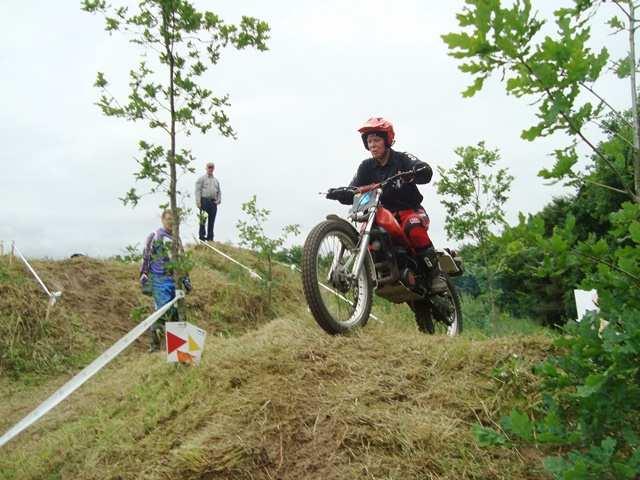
(342, 266)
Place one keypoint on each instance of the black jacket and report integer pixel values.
(408, 196)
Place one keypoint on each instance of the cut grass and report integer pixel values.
(274, 396)
(288, 401)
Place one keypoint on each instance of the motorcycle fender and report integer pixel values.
(372, 268)
(336, 218)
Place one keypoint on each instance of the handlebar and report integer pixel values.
(397, 176)
(367, 188)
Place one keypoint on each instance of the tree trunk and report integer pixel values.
(634, 101)
(485, 260)
(171, 157)
(167, 18)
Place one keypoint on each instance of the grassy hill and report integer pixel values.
(274, 397)
(102, 301)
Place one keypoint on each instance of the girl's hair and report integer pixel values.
(165, 212)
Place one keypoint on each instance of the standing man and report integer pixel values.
(208, 197)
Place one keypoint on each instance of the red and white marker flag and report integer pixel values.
(184, 341)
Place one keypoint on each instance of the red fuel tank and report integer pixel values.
(386, 220)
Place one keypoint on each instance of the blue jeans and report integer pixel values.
(163, 289)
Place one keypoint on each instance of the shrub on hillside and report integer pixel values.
(591, 396)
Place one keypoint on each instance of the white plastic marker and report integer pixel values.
(251, 272)
(184, 342)
(53, 297)
(586, 301)
(88, 372)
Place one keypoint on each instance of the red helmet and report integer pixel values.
(378, 125)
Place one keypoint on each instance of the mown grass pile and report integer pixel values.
(288, 401)
(274, 396)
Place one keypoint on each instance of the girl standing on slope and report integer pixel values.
(156, 277)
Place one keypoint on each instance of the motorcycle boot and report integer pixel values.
(435, 279)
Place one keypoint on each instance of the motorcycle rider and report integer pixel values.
(405, 202)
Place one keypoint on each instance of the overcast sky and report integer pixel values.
(296, 108)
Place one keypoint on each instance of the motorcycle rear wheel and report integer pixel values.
(425, 316)
(336, 304)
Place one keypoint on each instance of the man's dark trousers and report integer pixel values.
(209, 206)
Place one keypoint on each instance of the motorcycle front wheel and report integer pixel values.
(338, 304)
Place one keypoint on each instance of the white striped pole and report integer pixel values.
(53, 297)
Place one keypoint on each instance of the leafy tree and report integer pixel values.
(530, 285)
(535, 278)
(179, 44)
(252, 234)
(596, 373)
(553, 70)
(539, 275)
(474, 194)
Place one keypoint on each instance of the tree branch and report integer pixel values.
(616, 112)
(609, 264)
(151, 117)
(634, 102)
(624, 139)
(577, 131)
(608, 187)
(622, 9)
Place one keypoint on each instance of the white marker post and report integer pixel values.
(184, 342)
(222, 254)
(586, 301)
(53, 297)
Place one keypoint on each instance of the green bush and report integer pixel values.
(476, 312)
(591, 399)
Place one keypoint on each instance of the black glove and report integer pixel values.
(186, 283)
(343, 194)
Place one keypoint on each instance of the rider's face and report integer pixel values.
(376, 146)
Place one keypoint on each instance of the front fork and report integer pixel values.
(364, 246)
